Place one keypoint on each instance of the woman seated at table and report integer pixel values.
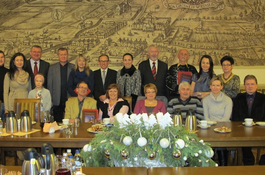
(81, 72)
(129, 79)
(218, 107)
(149, 104)
(200, 82)
(41, 92)
(231, 82)
(113, 104)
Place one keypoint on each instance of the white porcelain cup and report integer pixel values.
(248, 121)
(203, 123)
(106, 121)
(66, 121)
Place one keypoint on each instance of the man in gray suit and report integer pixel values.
(57, 83)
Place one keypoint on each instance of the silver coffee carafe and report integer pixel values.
(177, 117)
(191, 122)
(32, 163)
(25, 123)
(11, 122)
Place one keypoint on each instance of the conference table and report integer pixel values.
(238, 170)
(240, 136)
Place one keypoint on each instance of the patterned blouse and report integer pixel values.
(231, 85)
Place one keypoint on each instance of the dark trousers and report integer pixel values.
(248, 157)
(58, 112)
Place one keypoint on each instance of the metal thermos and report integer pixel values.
(177, 117)
(25, 123)
(191, 122)
(11, 122)
(49, 158)
(32, 163)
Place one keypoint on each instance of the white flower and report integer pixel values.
(145, 117)
(165, 120)
(119, 117)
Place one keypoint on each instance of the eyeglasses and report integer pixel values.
(150, 92)
(226, 65)
(104, 61)
(81, 87)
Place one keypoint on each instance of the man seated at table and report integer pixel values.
(250, 104)
(185, 102)
(75, 105)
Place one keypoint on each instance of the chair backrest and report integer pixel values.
(129, 99)
(30, 104)
(162, 98)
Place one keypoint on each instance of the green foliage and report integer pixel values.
(111, 140)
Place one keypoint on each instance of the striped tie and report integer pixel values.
(154, 70)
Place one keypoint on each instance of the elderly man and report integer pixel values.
(75, 105)
(36, 65)
(103, 77)
(250, 104)
(179, 72)
(57, 83)
(154, 71)
(185, 102)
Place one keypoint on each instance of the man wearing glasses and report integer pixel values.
(75, 105)
(103, 77)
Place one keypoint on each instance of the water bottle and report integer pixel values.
(78, 161)
(71, 164)
(65, 160)
(69, 153)
(1, 126)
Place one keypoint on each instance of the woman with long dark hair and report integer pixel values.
(17, 81)
(200, 82)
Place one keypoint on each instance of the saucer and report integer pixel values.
(260, 123)
(204, 127)
(249, 125)
(211, 122)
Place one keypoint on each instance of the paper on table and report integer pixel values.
(48, 126)
(19, 133)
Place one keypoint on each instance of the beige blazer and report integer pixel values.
(72, 108)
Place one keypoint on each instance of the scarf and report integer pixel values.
(21, 77)
(129, 71)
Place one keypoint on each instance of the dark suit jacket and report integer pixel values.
(240, 108)
(43, 69)
(54, 81)
(110, 79)
(147, 76)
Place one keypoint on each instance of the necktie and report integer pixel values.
(35, 68)
(103, 77)
(154, 70)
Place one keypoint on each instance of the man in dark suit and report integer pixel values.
(36, 65)
(250, 104)
(100, 82)
(154, 71)
(57, 83)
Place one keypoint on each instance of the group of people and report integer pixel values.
(69, 88)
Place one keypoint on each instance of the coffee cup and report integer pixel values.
(106, 121)
(203, 123)
(66, 121)
(248, 121)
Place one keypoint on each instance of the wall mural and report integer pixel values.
(115, 27)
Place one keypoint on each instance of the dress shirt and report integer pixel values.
(151, 64)
(32, 64)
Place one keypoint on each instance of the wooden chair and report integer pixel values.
(30, 104)
(129, 99)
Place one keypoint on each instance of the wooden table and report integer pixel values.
(101, 170)
(231, 170)
(240, 136)
(59, 139)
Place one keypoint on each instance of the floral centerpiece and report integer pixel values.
(146, 141)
